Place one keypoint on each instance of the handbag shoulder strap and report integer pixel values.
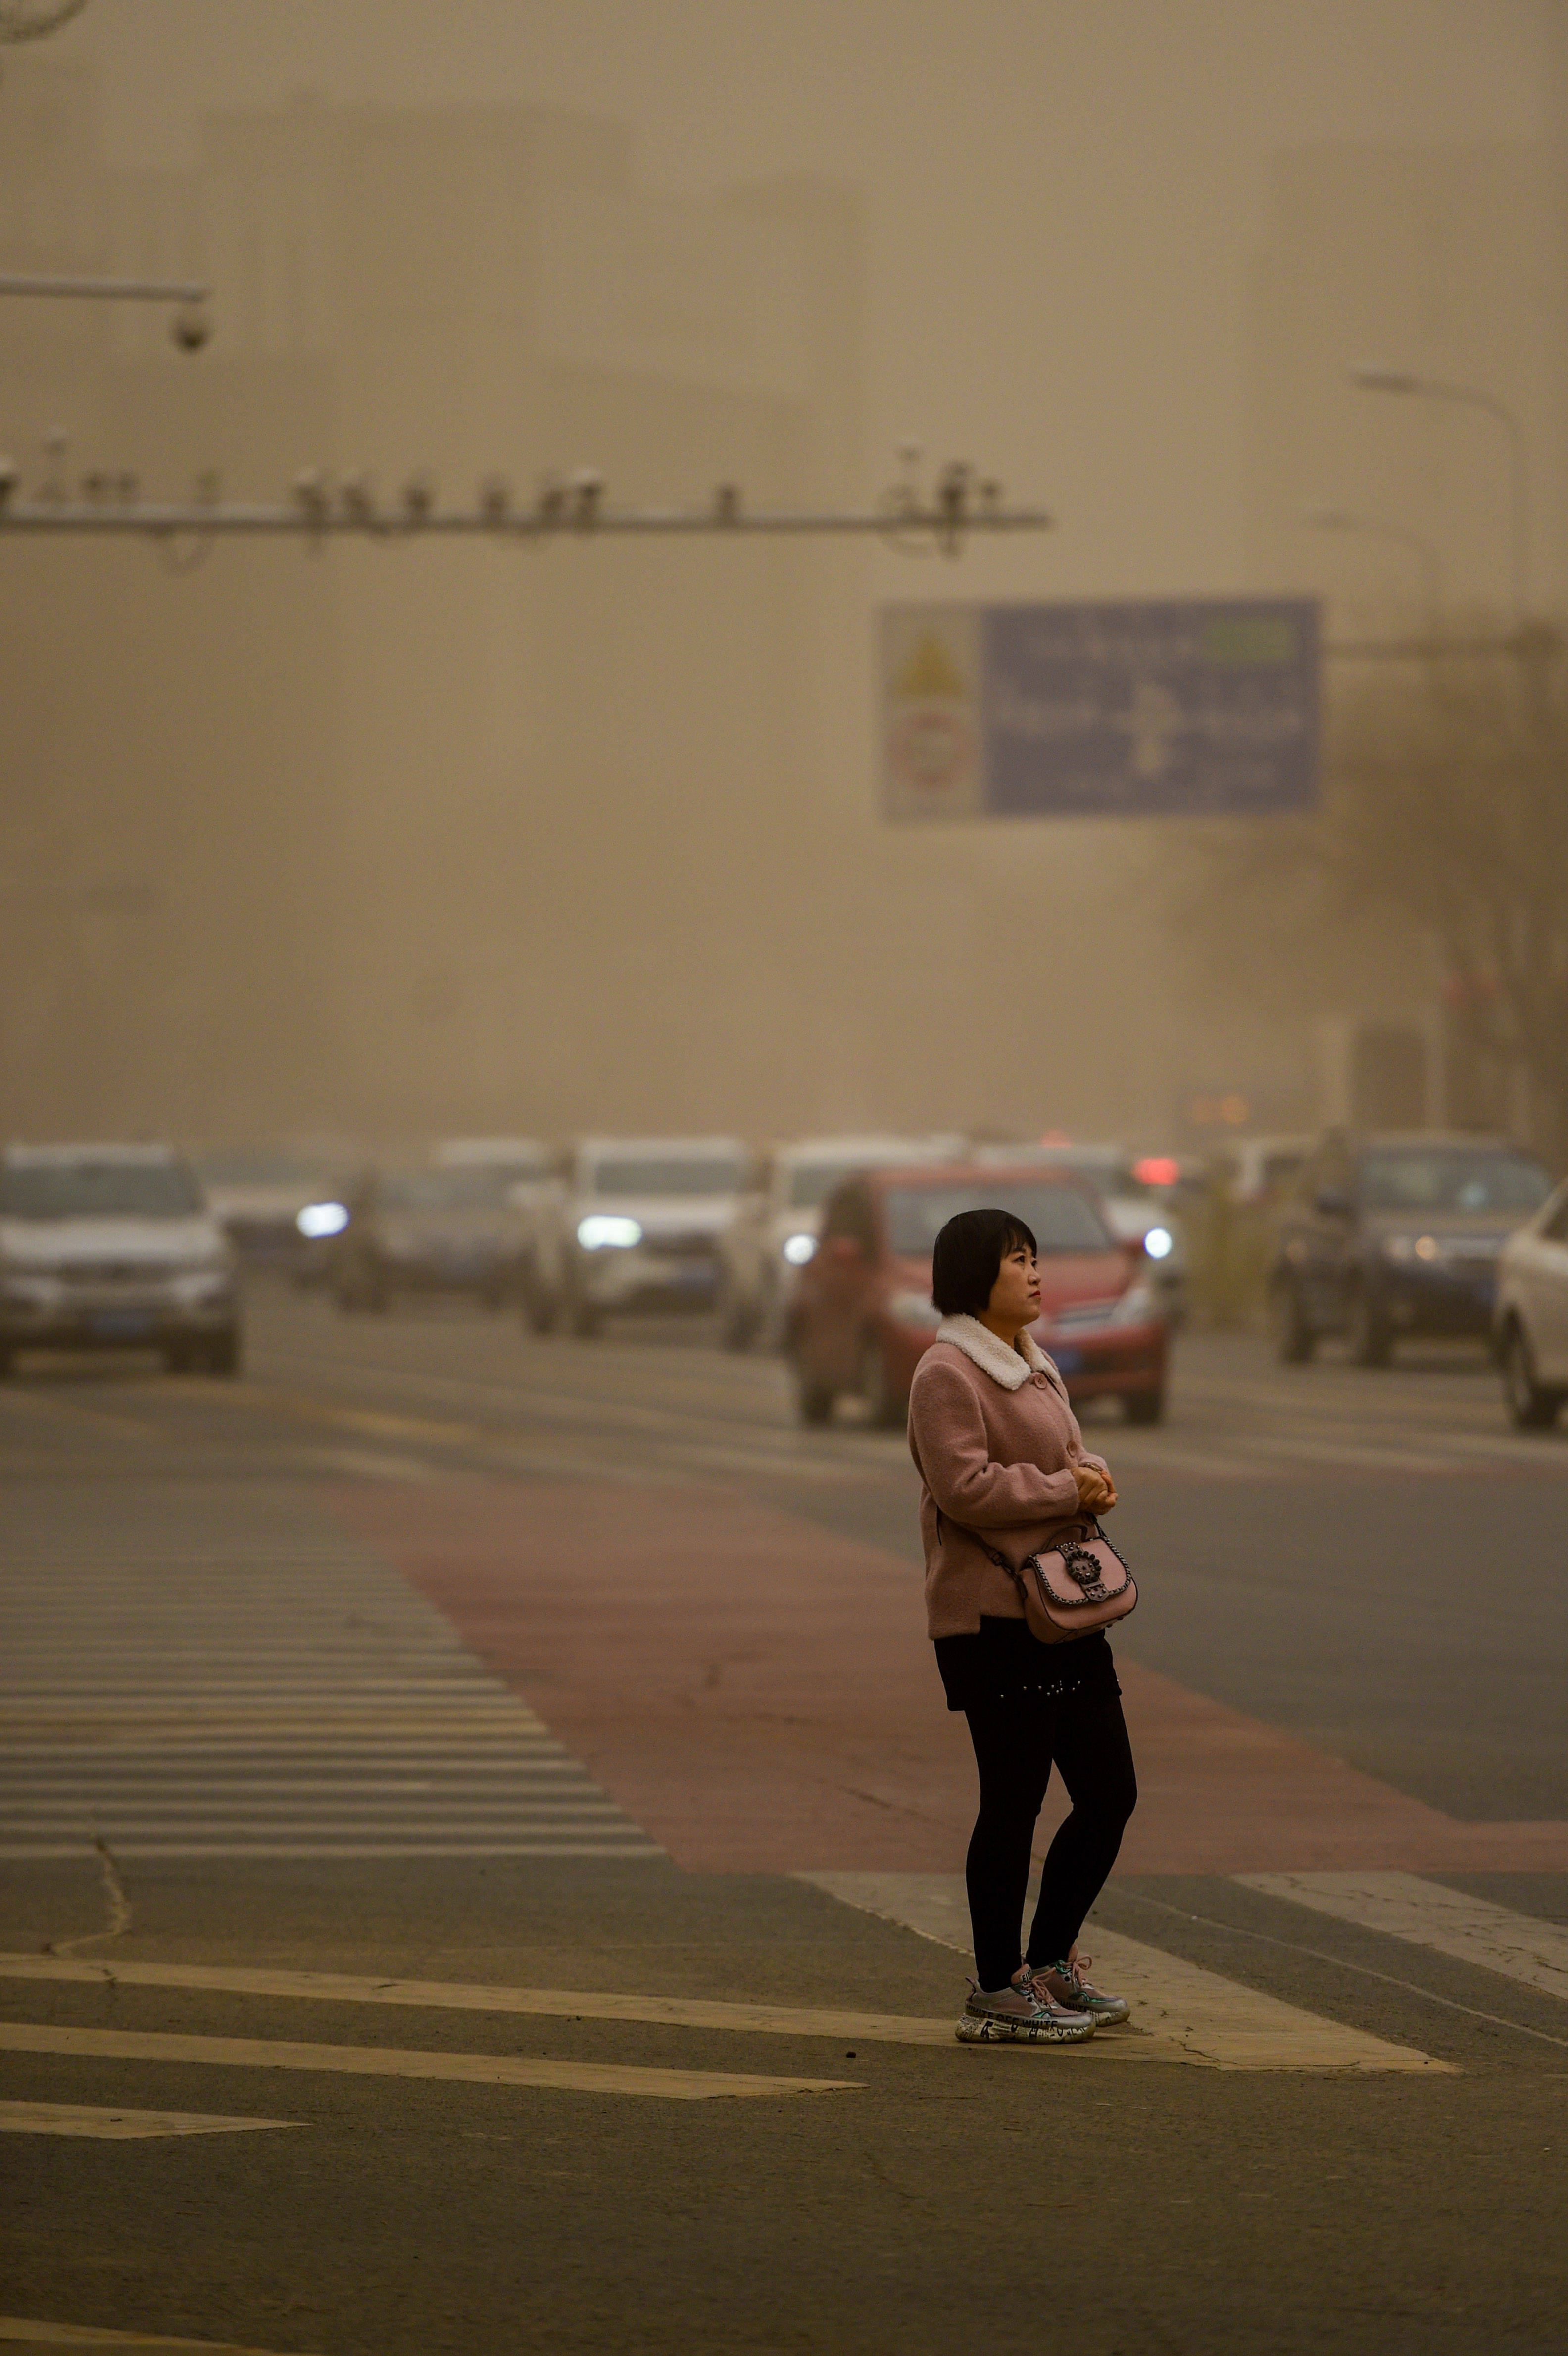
(1090, 1526)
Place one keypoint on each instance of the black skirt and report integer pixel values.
(1004, 1659)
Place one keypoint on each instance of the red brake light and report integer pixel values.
(1159, 1170)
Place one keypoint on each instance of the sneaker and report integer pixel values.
(1023, 2014)
(1063, 1983)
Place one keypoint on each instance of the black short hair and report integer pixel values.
(968, 1258)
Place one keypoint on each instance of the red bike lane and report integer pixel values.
(759, 1694)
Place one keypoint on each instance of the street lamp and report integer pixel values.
(1325, 518)
(1371, 378)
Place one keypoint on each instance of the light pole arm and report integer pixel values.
(107, 289)
(1476, 396)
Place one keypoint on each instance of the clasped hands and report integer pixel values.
(1096, 1490)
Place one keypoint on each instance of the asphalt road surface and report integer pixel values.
(481, 1846)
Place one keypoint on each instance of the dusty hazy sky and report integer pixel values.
(1064, 196)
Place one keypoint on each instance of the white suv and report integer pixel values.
(112, 1247)
(637, 1226)
(1530, 1320)
(776, 1233)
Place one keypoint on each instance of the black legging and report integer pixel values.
(1016, 1739)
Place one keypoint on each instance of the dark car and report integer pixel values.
(1388, 1236)
(428, 1229)
(861, 1316)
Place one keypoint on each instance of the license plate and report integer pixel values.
(121, 1324)
(1068, 1359)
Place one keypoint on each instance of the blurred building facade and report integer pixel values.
(391, 836)
(1447, 262)
(394, 837)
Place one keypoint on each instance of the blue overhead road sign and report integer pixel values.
(1192, 707)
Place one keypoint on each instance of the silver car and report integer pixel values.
(774, 1234)
(640, 1225)
(1531, 1318)
(111, 1247)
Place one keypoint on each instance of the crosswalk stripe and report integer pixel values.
(13, 1853)
(458, 1995)
(119, 2125)
(1428, 1914)
(302, 1702)
(1186, 2014)
(396, 2062)
(31, 2332)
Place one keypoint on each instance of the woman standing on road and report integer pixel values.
(1003, 1466)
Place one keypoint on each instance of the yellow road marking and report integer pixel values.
(372, 1464)
(1187, 2014)
(76, 1417)
(28, 2333)
(590, 1455)
(119, 2125)
(456, 1996)
(394, 2061)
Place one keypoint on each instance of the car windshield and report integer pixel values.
(97, 1190)
(694, 1174)
(1456, 1179)
(258, 1170)
(1278, 1170)
(1062, 1216)
(810, 1182)
(1103, 1173)
(472, 1189)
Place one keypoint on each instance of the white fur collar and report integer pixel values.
(992, 1355)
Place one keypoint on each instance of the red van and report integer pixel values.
(862, 1316)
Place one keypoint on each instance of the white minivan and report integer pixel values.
(769, 1242)
(638, 1225)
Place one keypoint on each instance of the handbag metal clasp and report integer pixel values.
(1083, 1568)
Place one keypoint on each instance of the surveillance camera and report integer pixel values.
(587, 491)
(191, 329)
(310, 494)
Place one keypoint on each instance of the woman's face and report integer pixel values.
(1015, 1296)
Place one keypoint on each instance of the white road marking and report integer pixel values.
(1428, 1914)
(17, 1853)
(1181, 2012)
(238, 1702)
(119, 2125)
(459, 1996)
(28, 2331)
(394, 2061)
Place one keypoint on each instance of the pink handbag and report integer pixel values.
(1072, 1589)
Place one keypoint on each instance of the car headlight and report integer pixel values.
(1159, 1242)
(1405, 1248)
(318, 1219)
(916, 1308)
(1137, 1306)
(799, 1249)
(603, 1232)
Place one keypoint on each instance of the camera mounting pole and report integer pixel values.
(319, 509)
(192, 327)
